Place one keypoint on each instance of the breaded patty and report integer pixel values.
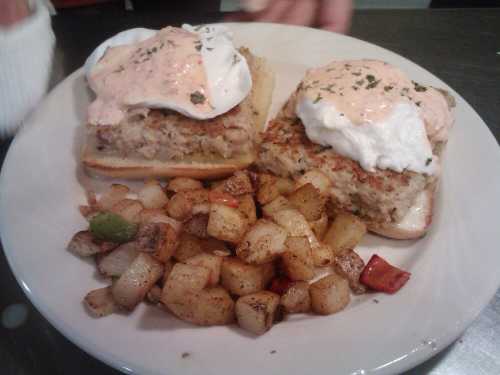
(382, 196)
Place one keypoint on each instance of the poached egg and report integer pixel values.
(195, 71)
(371, 112)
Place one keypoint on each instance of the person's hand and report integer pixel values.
(333, 15)
(12, 11)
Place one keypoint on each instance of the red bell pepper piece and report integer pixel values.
(215, 196)
(381, 276)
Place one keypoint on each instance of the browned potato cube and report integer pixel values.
(207, 307)
(277, 204)
(345, 232)
(297, 259)
(308, 200)
(117, 261)
(115, 194)
(238, 184)
(184, 279)
(296, 225)
(268, 189)
(241, 278)
(318, 179)
(196, 197)
(83, 244)
(320, 226)
(100, 302)
(323, 255)
(285, 185)
(263, 243)
(349, 265)
(211, 262)
(255, 312)
(179, 184)
(226, 223)
(197, 226)
(296, 299)
(329, 294)
(136, 281)
(188, 247)
(168, 266)
(213, 307)
(129, 209)
(152, 195)
(247, 208)
(159, 239)
(179, 207)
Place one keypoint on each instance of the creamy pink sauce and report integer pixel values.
(366, 91)
(165, 68)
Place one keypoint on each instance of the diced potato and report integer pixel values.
(256, 312)
(278, 204)
(159, 239)
(345, 232)
(331, 209)
(100, 302)
(308, 200)
(129, 209)
(197, 196)
(188, 247)
(285, 185)
(183, 184)
(329, 294)
(154, 294)
(320, 226)
(115, 194)
(268, 189)
(184, 279)
(238, 184)
(214, 307)
(118, 261)
(156, 215)
(297, 259)
(179, 207)
(136, 281)
(247, 208)
(323, 255)
(207, 307)
(83, 244)
(296, 225)
(296, 299)
(214, 246)
(241, 278)
(263, 243)
(226, 223)
(211, 262)
(201, 208)
(197, 226)
(349, 265)
(152, 195)
(318, 179)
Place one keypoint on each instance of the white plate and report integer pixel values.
(454, 268)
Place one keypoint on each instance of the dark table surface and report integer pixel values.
(461, 46)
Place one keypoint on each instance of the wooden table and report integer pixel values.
(460, 46)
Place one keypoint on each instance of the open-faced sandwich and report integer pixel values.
(174, 102)
(374, 133)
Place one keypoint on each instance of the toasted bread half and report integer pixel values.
(196, 164)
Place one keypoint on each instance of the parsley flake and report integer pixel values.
(197, 98)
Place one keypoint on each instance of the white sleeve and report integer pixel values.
(26, 51)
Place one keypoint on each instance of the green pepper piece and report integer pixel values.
(107, 226)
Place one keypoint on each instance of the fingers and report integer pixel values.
(335, 15)
(12, 11)
(302, 12)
